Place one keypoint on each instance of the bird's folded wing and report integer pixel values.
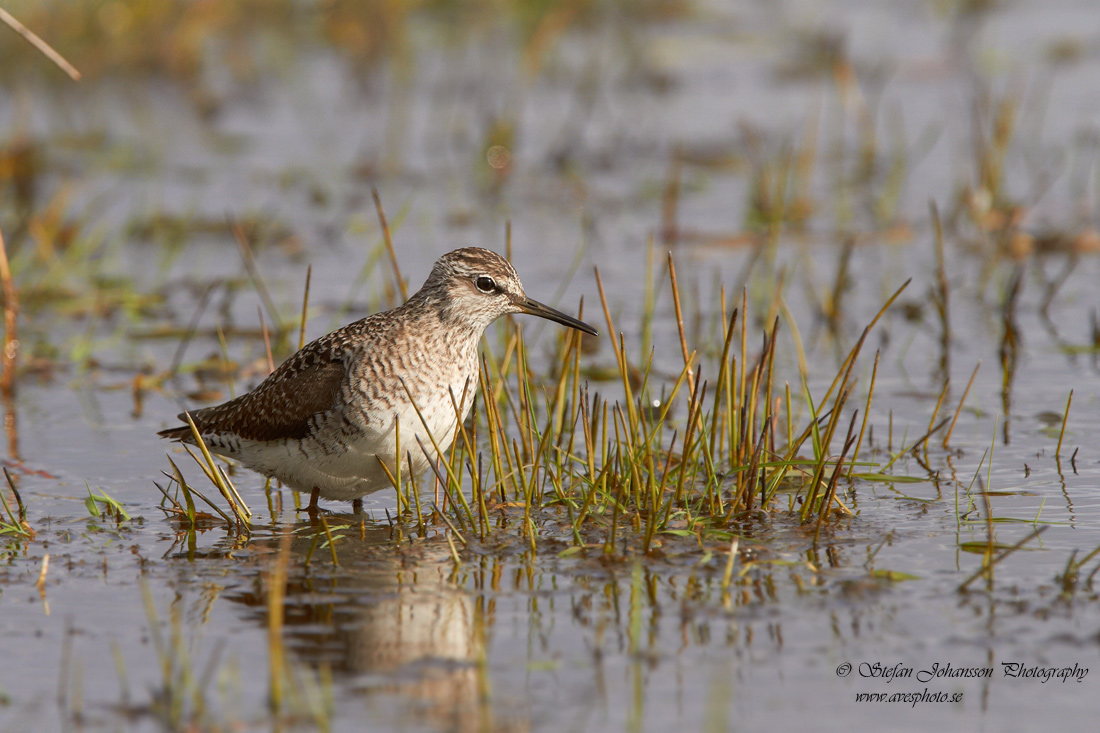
(280, 408)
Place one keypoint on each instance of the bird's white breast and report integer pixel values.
(348, 468)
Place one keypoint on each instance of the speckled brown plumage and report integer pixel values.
(323, 420)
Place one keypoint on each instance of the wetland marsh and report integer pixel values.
(838, 432)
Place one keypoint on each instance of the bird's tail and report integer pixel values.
(182, 433)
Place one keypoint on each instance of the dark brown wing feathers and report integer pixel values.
(280, 408)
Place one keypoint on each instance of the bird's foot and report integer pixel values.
(357, 506)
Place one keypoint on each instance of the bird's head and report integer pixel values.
(475, 286)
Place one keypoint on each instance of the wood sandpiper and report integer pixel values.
(325, 418)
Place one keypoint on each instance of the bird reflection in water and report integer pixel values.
(388, 620)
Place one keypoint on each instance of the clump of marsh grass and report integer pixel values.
(1074, 577)
(623, 475)
(238, 520)
(191, 520)
(105, 505)
(13, 524)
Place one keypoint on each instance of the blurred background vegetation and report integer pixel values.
(189, 40)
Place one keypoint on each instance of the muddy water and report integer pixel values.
(506, 640)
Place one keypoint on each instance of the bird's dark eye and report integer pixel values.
(485, 284)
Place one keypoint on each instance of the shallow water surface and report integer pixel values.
(683, 132)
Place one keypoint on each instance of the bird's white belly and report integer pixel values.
(347, 469)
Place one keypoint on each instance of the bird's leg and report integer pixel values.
(313, 497)
(357, 505)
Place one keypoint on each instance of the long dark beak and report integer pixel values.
(535, 308)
